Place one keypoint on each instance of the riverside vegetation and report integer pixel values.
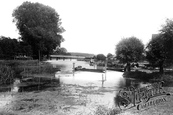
(12, 69)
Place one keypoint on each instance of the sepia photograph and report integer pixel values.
(86, 57)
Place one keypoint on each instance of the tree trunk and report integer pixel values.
(127, 67)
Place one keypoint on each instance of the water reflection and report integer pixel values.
(108, 79)
(38, 84)
(111, 79)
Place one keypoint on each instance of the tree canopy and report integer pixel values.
(167, 36)
(9, 48)
(109, 55)
(39, 26)
(129, 50)
(101, 57)
(61, 51)
(160, 48)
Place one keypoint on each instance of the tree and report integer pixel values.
(109, 55)
(9, 47)
(160, 48)
(101, 57)
(63, 50)
(60, 51)
(129, 50)
(25, 49)
(110, 60)
(39, 27)
(167, 36)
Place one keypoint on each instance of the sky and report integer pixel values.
(96, 26)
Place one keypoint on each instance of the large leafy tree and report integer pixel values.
(129, 50)
(167, 33)
(25, 49)
(160, 48)
(39, 26)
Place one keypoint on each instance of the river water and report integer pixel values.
(110, 79)
(105, 84)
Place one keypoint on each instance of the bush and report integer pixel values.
(100, 63)
(18, 65)
(143, 76)
(22, 67)
(44, 68)
(167, 77)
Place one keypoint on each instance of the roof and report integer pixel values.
(81, 54)
(67, 56)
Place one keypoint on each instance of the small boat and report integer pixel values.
(90, 70)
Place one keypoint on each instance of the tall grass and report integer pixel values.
(23, 67)
(6, 75)
(44, 68)
(19, 62)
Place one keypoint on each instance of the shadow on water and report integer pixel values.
(38, 84)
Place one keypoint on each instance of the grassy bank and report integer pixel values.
(167, 77)
(11, 69)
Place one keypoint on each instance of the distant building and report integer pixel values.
(65, 57)
(73, 56)
(86, 55)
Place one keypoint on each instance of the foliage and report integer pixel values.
(44, 68)
(160, 48)
(153, 77)
(61, 51)
(100, 64)
(129, 50)
(6, 75)
(25, 49)
(39, 26)
(155, 53)
(100, 57)
(18, 65)
(9, 48)
(167, 33)
(109, 55)
(142, 76)
(28, 67)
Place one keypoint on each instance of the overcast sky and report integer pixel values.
(96, 26)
